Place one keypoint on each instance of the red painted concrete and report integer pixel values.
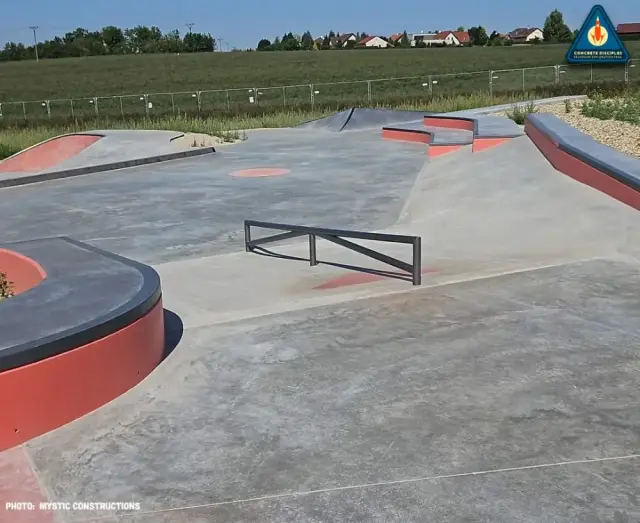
(581, 171)
(357, 278)
(24, 273)
(45, 395)
(259, 172)
(448, 123)
(439, 150)
(406, 136)
(48, 154)
(19, 484)
(480, 144)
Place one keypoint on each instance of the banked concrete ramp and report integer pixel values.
(361, 118)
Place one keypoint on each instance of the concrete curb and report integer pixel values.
(91, 169)
(584, 159)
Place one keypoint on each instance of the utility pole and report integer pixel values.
(190, 26)
(220, 41)
(35, 40)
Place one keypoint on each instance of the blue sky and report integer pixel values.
(242, 23)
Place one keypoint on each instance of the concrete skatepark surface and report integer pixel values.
(503, 389)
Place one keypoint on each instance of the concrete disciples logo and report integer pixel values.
(597, 42)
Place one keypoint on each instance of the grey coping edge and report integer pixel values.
(92, 169)
(617, 165)
(63, 339)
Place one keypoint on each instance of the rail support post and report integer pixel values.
(247, 237)
(313, 259)
(417, 261)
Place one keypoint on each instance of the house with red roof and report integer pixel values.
(629, 31)
(374, 41)
(452, 38)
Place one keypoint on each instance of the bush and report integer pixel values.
(6, 287)
(519, 113)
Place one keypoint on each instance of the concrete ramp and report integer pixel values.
(362, 118)
(336, 122)
(48, 154)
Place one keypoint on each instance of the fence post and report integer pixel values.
(95, 105)
(591, 73)
(284, 96)
(48, 106)
(430, 85)
(24, 110)
(198, 100)
(491, 83)
(369, 91)
(1, 110)
(228, 101)
(73, 115)
(313, 98)
(626, 72)
(523, 82)
(121, 108)
(145, 97)
(557, 68)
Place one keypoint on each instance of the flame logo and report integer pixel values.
(598, 35)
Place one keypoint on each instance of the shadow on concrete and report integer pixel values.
(173, 330)
(378, 272)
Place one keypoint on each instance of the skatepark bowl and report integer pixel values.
(159, 359)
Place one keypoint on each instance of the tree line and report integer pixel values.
(112, 40)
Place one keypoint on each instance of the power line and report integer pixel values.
(190, 26)
(35, 40)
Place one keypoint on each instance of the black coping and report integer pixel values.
(622, 167)
(88, 294)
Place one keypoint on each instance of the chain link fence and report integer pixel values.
(372, 92)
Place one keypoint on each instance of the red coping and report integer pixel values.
(48, 154)
(449, 123)
(581, 171)
(24, 273)
(406, 136)
(45, 395)
(357, 278)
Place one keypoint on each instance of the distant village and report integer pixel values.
(557, 31)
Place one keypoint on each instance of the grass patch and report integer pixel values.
(518, 113)
(625, 108)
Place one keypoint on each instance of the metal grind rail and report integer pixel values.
(338, 236)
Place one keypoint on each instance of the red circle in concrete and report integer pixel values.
(259, 172)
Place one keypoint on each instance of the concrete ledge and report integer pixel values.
(91, 169)
(584, 159)
(91, 330)
(437, 147)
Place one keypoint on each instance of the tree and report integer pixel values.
(113, 37)
(264, 45)
(555, 30)
(404, 41)
(326, 43)
(460, 28)
(331, 35)
(306, 42)
(478, 36)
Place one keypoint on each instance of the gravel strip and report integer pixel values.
(622, 136)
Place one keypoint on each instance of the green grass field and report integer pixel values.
(220, 82)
